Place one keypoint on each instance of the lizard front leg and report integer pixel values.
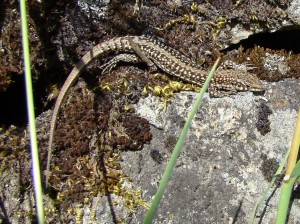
(143, 57)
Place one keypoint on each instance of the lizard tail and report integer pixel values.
(119, 43)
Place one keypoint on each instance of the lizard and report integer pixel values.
(155, 54)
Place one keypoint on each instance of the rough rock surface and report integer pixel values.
(220, 173)
(225, 164)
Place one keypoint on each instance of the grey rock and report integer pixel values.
(294, 11)
(218, 177)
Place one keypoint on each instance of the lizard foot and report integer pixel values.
(131, 58)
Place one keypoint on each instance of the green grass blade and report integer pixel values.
(266, 192)
(294, 149)
(31, 117)
(166, 176)
(290, 176)
(296, 171)
(284, 201)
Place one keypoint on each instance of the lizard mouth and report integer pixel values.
(258, 87)
(257, 90)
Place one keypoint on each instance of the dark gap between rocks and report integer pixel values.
(287, 39)
(13, 104)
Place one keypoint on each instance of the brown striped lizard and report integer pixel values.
(157, 55)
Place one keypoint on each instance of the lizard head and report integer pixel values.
(250, 81)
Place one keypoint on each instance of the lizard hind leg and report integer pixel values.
(130, 58)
